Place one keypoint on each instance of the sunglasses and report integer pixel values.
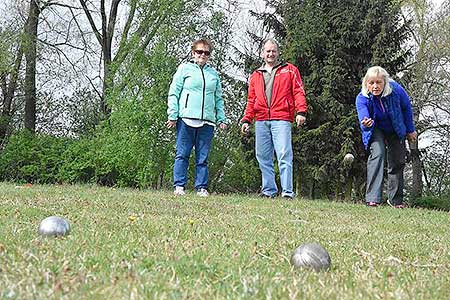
(200, 52)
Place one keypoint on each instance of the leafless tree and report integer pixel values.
(428, 80)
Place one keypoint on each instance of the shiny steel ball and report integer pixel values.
(312, 256)
(54, 226)
(349, 158)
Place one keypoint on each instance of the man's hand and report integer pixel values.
(171, 123)
(300, 120)
(367, 122)
(244, 128)
(223, 126)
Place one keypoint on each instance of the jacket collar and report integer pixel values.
(204, 66)
(279, 64)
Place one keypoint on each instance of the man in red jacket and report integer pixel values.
(275, 99)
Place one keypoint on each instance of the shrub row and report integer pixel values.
(126, 158)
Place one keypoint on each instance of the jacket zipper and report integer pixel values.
(187, 98)
(204, 88)
(382, 106)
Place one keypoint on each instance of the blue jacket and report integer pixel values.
(398, 107)
(196, 93)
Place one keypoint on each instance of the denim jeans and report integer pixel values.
(275, 136)
(188, 137)
(396, 153)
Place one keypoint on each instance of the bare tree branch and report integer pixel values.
(13, 79)
(91, 21)
(112, 20)
(61, 52)
(104, 32)
(3, 82)
(94, 87)
(79, 27)
(127, 26)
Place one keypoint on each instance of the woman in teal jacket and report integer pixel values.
(195, 107)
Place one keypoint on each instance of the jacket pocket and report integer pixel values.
(187, 99)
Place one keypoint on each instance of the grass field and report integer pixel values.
(131, 244)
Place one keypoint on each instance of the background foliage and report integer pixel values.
(332, 43)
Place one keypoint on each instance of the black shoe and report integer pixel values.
(262, 195)
(287, 197)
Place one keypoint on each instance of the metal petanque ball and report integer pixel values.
(311, 256)
(349, 158)
(54, 226)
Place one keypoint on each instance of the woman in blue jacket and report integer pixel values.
(195, 107)
(386, 119)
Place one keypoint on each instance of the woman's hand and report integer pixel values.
(223, 126)
(171, 123)
(412, 137)
(367, 122)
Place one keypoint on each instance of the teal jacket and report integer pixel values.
(196, 93)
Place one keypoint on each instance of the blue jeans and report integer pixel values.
(187, 138)
(275, 136)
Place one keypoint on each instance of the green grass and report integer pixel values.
(131, 244)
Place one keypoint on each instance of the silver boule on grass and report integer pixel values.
(311, 256)
(54, 226)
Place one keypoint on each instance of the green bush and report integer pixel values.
(115, 157)
(232, 164)
(79, 163)
(439, 203)
(32, 158)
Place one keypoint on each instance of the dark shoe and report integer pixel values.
(401, 206)
(395, 205)
(267, 196)
(372, 204)
(287, 197)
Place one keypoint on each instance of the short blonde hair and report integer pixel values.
(376, 71)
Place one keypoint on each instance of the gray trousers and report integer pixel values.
(395, 153)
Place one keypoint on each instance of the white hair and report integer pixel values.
(269, 40)
(374, 72)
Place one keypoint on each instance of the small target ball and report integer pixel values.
(349, 157)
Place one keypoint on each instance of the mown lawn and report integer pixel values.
(131, 244)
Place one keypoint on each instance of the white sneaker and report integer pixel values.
(179, 191)
(202, 193)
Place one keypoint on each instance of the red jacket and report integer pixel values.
(288, 96)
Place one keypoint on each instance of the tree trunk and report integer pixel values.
(104, 37)
(107, 80)
(30, 70)
(298, 183)
(417, 184)
(8, 91)
(348, 188)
